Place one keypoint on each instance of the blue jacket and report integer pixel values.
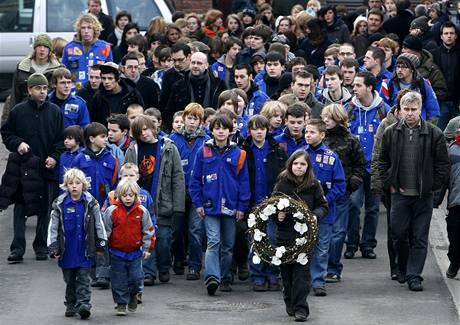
(220, 181)
(255, 103)
(364, 122)
(74, 110)
(220, 70)
(328, 170)
(101, 172)
(65, 161)
(77, 60)
(288, 143)
(188, 152)
(430, 105)
(383, 75)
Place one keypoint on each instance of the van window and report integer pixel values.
(61, 15)
(142, 11)
(16, 16)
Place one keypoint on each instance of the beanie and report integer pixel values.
(43, 40)
(37, 79)
(452, 128)
(420, 23)
(285, 81)
(413, 43)
(420, 10)
(409, 59)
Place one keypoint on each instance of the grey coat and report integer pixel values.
(171, 183)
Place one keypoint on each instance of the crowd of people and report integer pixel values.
(152, 149)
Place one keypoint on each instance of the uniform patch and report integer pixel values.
(331, 160)
(325, 159)
(70, 210)
(371, 128)
(71, 108)
(318, 158)
(70, 51)
(212, 177)
(184, 162)
(77, 51)
(207, 152)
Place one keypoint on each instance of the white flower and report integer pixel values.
(251, 220)
(256, 259)
(269, 210)
(280, 251)
(282, 203)
(258, 235)
(298, 215)
(300, 241)
(301, 228)
(263, 216)
(276, 261)
(302, 258)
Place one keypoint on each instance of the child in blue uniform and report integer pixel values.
(292, 137)
(73, 139)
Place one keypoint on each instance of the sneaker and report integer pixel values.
(70, 311)
(84, 312)
(149, 281)
(333, 278)
(211, 287)
(300, 317)
(178, 268)
(193, 275)
(139, 298)
(121, 310)
(415, 285)
(102, 283)
(132, 305)
(274, 284)
(260, 287)
(243, 272)
(41, 256)
(290, 311)
(225, 287)
(369, 254)
(349, 254)
(164, 277)
(401, 278)
(14, 258)
(452, 271)
(320, 292)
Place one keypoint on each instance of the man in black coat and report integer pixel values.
(94, 7)
(400, 23)
(90, 88)
(35, 126)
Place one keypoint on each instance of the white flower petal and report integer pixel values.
(299, 215)
(256, 259)
(302, 258)
(300, 241)
(258, 235)
(263, 216)
(276, 261)
(251, 223)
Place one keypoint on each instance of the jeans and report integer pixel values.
(126, 277)
(339, 232)
(163, 248)
(371, 204)
(18, 245)
(150, 265)
(453, 232)
(220, 233)
(77, 290)
(410, 225)
(448, 111)
(196, 239)
(320, 256)
(264, 272)
(296, 286)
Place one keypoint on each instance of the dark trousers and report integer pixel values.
(241, 248)
(410, 226)
(77, 291)
(18, 245)
(180, 236)
(394, 269)
(453, 233)
(296, 286)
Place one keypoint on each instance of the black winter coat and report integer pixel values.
(433, 160)
(351, 155)
(41, 127)
(87, 93)
(448, 60)
(149, 91)
(23, 183)
(276, 160)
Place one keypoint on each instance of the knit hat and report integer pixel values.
(249, 12)
(37, 79)
(375, 37)
(43, 40)
(413, 43)
(358, 20)
(420, 23)
(410, 60)
(285, 81)
(258, 56)
(420, 10)
(437, 8)
(452, 128)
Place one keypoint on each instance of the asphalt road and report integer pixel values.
(32, 293)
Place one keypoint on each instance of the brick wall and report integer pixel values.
(198, 6)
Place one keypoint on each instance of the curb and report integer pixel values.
(439, 245)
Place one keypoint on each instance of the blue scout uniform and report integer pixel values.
(288, 143)
(74, 109)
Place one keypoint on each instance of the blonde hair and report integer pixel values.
(70, 175)
(90, 19)
(157, 25)
(125, 186)
(129, 166)
(301, 23)
(272, 107)
(288, 99)
(337, 113)
(134, 107)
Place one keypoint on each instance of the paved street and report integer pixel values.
(32, 293)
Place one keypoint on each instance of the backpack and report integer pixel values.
(420, 83)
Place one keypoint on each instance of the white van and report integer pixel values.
(22, 20)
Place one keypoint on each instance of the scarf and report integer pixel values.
(201, 79)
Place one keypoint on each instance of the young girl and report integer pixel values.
(178, 122)
(131, 238)
(299, 182)
(274, 111)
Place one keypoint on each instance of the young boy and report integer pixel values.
(133, 111)
(161, 174)
(265, 160)
(292, 137)
(178, 122)
(118, 131)
(73, 139)
(155, 115)
(328, 170)
(274, 112)
(131, 238)
(334, 92)
(209, 114)
(101, 170)
(275, 65)
(75, 233)
(188, 141)
(219, 187)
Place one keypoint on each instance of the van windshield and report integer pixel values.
(61, 15)
(142, 11)
(16, 16)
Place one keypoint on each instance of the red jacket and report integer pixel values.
(128, 231)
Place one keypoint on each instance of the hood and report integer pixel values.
(426, 59)
(376, 102)
(26, 64)
(345, 95)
